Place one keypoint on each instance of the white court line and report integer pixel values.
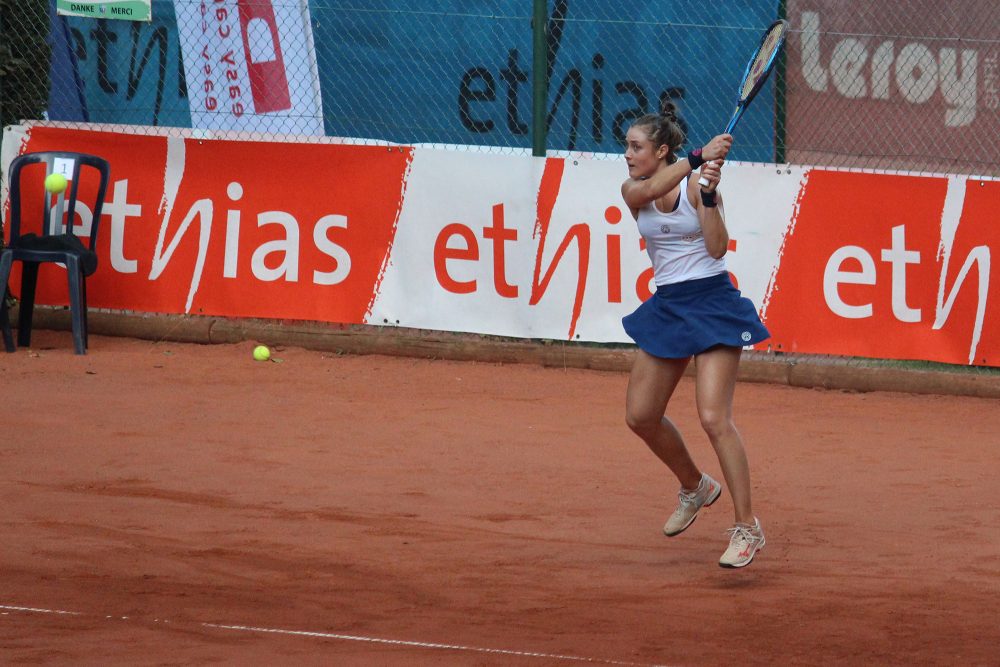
(42, 611)
(370, 640)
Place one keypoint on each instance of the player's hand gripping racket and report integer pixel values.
(760, 65)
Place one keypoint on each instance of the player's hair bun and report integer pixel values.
(669, 110)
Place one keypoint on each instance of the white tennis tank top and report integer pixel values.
(675, 243)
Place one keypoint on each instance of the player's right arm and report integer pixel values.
(639, 192)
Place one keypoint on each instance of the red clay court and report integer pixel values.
(168, 503)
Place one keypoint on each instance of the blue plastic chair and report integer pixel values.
(54, 241)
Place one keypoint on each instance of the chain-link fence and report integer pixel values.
(905, 85)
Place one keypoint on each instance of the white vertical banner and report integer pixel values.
(250, 65)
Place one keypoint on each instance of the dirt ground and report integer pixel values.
(175, 504)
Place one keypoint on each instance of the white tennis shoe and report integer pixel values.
(691, 502)
(744, 543)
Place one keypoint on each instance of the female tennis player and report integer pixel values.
(695, 312)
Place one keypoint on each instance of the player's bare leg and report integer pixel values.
(650, 386)
(715, 386)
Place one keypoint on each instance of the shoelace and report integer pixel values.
(743, 533)
(687, 498)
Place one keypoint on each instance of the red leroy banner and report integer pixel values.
(892, 83)
(236, 228)
(894, 267)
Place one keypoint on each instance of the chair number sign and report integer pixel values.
(63, 166)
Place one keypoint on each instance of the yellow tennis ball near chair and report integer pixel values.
(55, 183)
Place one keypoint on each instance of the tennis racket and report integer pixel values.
(760, 66)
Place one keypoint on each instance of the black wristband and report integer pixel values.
(695, 159)
(708, 199)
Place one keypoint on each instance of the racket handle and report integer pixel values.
(703, 182)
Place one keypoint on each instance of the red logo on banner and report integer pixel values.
(265, 64)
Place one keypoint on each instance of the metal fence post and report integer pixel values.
(539, 78)
(3, 76)
(780, 83)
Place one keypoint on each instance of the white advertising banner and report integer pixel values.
(248, 61)
(520, 246)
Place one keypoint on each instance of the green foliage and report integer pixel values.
(24, 59)
(24, 62)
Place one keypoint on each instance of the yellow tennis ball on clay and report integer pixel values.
(261, 353)
(55, 183)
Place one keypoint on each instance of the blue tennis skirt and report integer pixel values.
(687, 318)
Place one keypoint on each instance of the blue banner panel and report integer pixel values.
(461, 72)
(106, 71)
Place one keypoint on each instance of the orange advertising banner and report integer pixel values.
(889, 266)
(236, 228)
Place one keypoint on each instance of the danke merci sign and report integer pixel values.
(128, 10)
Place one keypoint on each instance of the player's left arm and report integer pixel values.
(711, 218)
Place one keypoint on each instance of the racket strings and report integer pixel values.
(772, 42)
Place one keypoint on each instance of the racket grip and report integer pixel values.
(703, 182)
